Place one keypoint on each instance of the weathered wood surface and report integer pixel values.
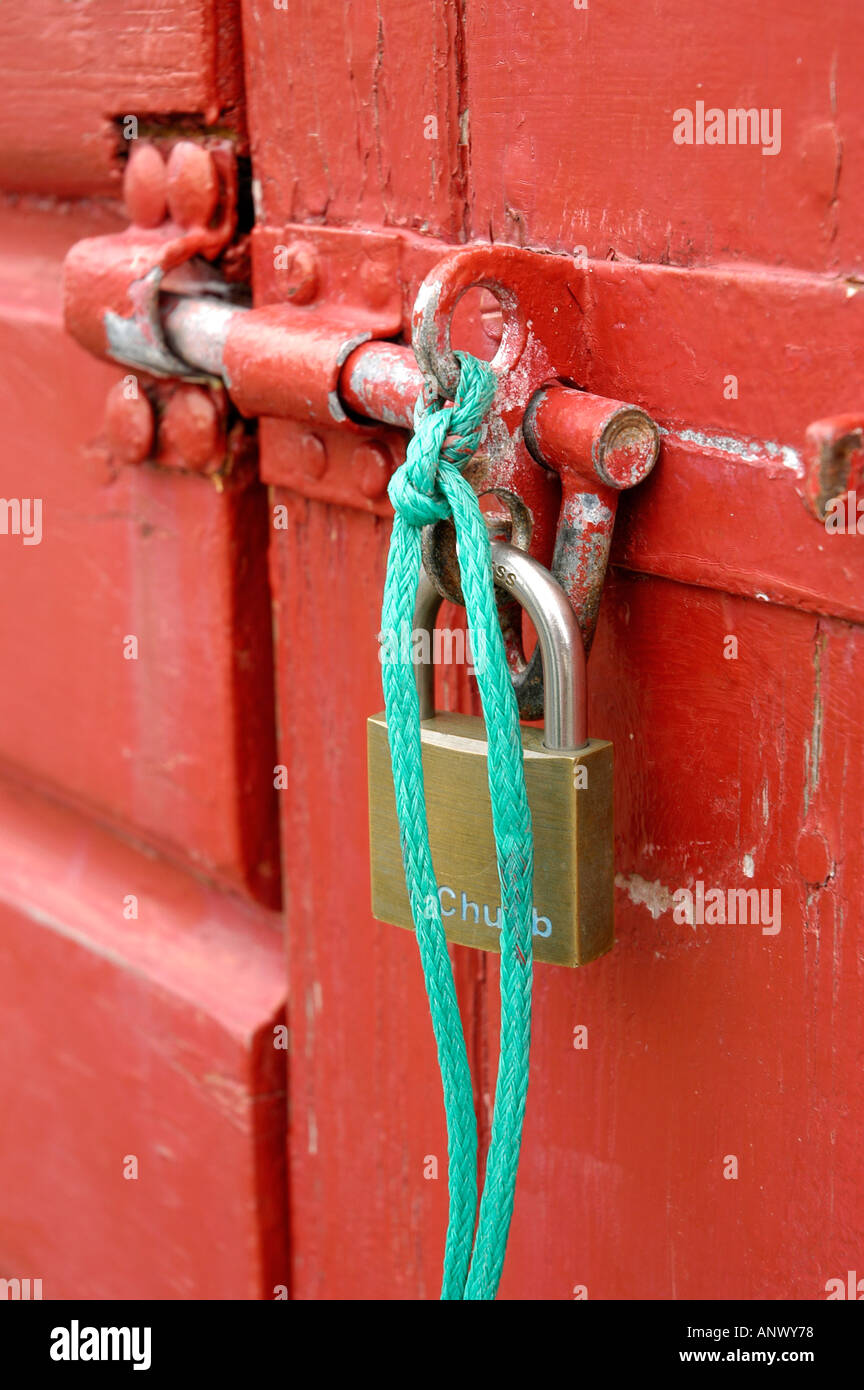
(70, 71)
(148, 1038)
(176, 746)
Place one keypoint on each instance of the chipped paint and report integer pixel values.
(742, 449)
(813, 745)
(656, 897)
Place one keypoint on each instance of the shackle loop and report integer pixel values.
(474, 267)
(558, 637)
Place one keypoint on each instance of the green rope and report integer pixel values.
(427, 488)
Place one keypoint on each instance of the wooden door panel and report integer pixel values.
(350, 119)
(141, 1004)
(706, 1042)
(176, 746)
(572, 118)
(148, 1038)
(70, 72)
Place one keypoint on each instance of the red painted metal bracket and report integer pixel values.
(182, 206)
(556, 457)
(833, 461)
(553, 458)
(179, 208)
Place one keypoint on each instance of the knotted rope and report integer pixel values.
(429, 487)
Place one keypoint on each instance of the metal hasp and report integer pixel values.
(557, 465)
(553, 459)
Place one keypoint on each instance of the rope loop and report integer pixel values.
(430, 487)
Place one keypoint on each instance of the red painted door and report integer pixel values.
(696, 1096)
(700, 1138)
(141, 960)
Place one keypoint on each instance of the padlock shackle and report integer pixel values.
(558, 636)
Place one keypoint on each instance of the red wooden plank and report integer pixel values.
(69, 70)
(150, 1038)
(354, 111)
(176, 746)
(572, 119)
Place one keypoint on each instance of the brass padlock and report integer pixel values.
(569, 784)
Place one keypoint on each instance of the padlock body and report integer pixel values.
(570, 795)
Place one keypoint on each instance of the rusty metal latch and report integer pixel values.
(554, 458)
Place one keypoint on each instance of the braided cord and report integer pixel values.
(403, 731)
(429, 487)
